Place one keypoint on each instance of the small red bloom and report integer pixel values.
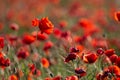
(45, 62)
(35, 22)
(57, 32)
(13, 77)
(109, 52)
(1, 42)
(7, 62)
(22, 54)
(45, 25)
(113, 58)
(48, 78)
(57, 78)
(118, 62)
(32, 68)
(47, 45)
(71, 78)
(80, 71)
(28, 39)
(14, 26)
(88, 26)
(117, 16)
(71, 56)
(100, 51)
(63, 23)
(41, 37)
(113, 70)
(4, 62)
(74, 50)
(90, 58)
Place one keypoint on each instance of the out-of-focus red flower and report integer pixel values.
(109, 52)
(57, 32)
(88, 26)
(80, 71)
(14, 26)
(28, 39)
(117, 16)
(97, 43)
(12, 39)
(22, 54)
(46, 26)
(4, 62)
(20, 73)
(34, 71)
(71, 78)
(113, 70)
(80, 39)
(35, 22)
(48, 78)
(57, 78)
(63, 23)
(13, 77)
(71, 56)
(1, 42)
(65, 35)
(47, 45)
(90, 57)
(100, 51)
(7, 62)
(74, 50)
(41, 37)
(32, 68)
(38, 72)
(118, 62)
(45, 63)
(113, 58)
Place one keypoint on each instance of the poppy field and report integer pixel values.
(59, 40)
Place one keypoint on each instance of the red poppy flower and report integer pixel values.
(90, 58)
(4, 62)
(14, 26)
(113, 58)
(109, 52)
(57, 32)
(1, 42)
(45, 25)
(100, 51)
(13, 77)
(63, 23)
(71, 56)
(22, 54)
(32, 68)
(88, 26)
(45, 62)
(74, 50)
(117, 16)
(71, 78)
(80, 71)
(35, 22)
(47, 45)
(57, 78)
(118, 62)
(41, 37)
(28, 39)
(113, 70)
(48, 78)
